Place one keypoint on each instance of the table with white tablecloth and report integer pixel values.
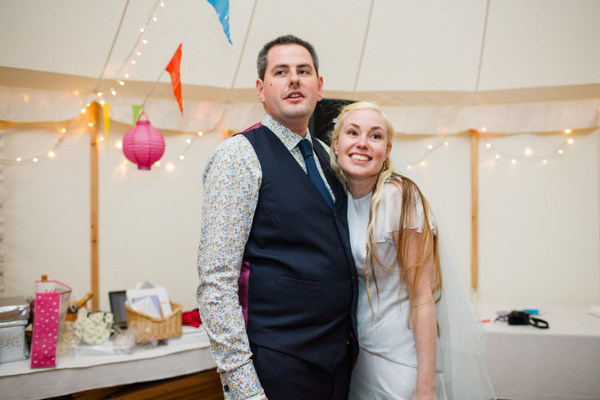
(562, 362)
(186, 355)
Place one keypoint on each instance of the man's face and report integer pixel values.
(291, 88)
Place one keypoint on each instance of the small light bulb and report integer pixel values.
(488, 145)
(18, 158)
(162, 4)
(142, 30)
(189, 141)
(570, 141)
(170, 166)
(121, 83)
(181, 157)
(430, 147)
(90, 124)
(157, 163)
(545, 161)
(133, 61)
(145, 41)
(497, 156)
(88, 104)
(513, 161)
(114, 93)
(99, 94)
(483, 129)
(83, 110)
(567, 131)
(64, 130)
(138, 53)
(76, 93)
(102, 102)
(560, 151)
(528, 152)
(446, 143)
(124, 162)
(409, 167)
(51, 154)
(101, 138)
(422, 163)
(154, 17)
(126, 75)
(35, 160)
(119, 145)
(200, 133)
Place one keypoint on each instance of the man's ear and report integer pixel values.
(320, 94)
(260, 90)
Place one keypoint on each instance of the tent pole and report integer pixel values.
(474, 135)
(94, 112)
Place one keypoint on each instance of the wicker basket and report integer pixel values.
(149, 328)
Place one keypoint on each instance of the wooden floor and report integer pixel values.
(204, 385)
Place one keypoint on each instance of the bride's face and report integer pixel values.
(362, 145)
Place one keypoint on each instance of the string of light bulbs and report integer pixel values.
(51, 153)
(129, 60)
(529, 155)
(169, 165)
(443, 142)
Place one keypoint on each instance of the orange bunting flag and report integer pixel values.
(173, 70)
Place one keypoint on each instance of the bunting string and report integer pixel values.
(164, 69)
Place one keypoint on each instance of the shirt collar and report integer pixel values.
(287, 137)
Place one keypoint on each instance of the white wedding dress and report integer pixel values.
(386, 368)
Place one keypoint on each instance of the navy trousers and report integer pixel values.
(285, 377)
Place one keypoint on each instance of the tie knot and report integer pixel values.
(305, 148)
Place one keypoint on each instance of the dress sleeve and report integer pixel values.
(232, 180)
(389, 211)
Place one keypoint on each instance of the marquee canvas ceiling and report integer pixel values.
(400, 53)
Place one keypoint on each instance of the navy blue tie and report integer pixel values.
(313, 172)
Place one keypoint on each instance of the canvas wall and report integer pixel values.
(539, 223)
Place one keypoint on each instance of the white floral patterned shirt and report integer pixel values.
(232, 180)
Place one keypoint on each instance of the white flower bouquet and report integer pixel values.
(93, 327)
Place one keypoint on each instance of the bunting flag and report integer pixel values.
(222, 9)
(106, 115)
(173, 70)
(136, 110)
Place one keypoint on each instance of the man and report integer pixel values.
(275, 241)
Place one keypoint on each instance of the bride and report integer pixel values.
(416, 342)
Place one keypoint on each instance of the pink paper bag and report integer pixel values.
(51, 301)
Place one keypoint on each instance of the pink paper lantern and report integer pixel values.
(143, 144)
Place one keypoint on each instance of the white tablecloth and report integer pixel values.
(185, 355)
(562, 362)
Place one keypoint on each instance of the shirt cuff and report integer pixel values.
(242, 383)
(257, 397)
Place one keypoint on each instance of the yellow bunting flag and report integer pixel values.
(106, 115)
(136, 113)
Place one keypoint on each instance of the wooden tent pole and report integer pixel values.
(474, 135)
(94, 111)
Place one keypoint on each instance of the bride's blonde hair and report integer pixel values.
(411, 196)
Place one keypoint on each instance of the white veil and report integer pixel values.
(462, 338)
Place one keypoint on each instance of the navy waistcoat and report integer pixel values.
(302, 287)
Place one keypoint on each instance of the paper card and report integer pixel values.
(147, 305)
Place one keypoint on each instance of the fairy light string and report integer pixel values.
(440, 144)
(496, 153)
